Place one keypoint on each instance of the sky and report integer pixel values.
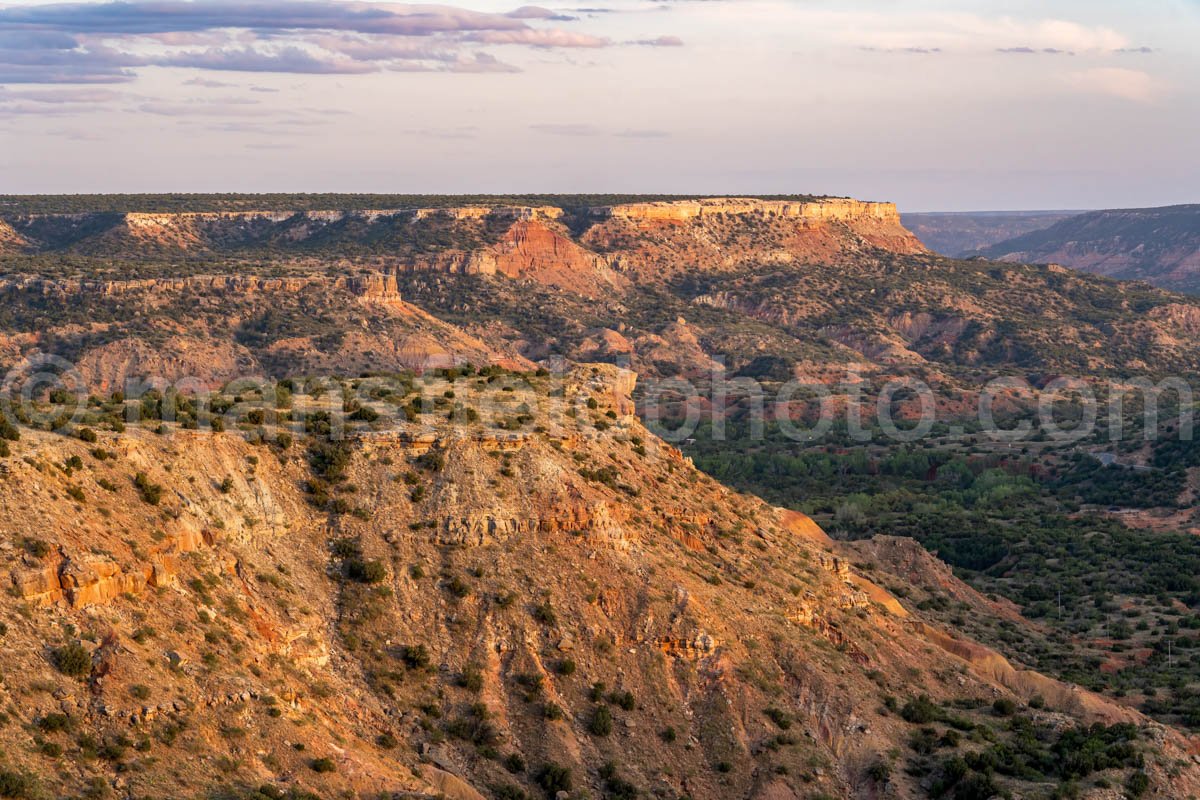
(968, 105)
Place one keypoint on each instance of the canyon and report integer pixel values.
(362, 503)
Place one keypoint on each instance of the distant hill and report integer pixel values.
(1159, 245)
(963, 233)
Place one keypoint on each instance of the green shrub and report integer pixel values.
(544, 613)
(35, 547)
(151, 493)
(554, 778)
(601, 723)
(921, 711)
(53, 723)
(73, 660)
(475, 727)
(471, 679)
(366, 571)
(780, 717)
(624, 699)
(14, 784)
(415, 656)
(323, 765)
(1137, 784)
(506, 791)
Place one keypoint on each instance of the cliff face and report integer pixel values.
(10, 240)
(530, 248)
(580, 250)
(843, 210)
(205, 330)
(568, 593)
(655, 240)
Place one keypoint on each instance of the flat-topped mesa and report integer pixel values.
(367, 285)
(826, 209)
(230, 230)
(151, 221)
(190, 229)
(513, 213)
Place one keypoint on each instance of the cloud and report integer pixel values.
(913, 50)
(381, 49)
(1127, 84)
(1066, 35)
(954, 31)
(1054, 51)
(62, 96)
(96, 64)
(541, 38)
(21, 109)
(233, 109)
(287, 59)
(208, 83)
(480, 62)
(36, 40)
(106, 42)
(661, 41)
(141, 17)
(537, 12)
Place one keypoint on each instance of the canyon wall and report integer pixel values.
(833, 209)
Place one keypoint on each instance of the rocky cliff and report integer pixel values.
(448, 609)
(205, 330)
(843, 210)
(11, 242)
(586, 250)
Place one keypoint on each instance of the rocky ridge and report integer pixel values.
(221, 616)
(1158, 245)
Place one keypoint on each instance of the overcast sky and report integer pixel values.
(976, 104)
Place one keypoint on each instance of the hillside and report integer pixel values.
(1158, 245)
(827, 284)
(434, 605)
(337, 503)
(962, 233)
